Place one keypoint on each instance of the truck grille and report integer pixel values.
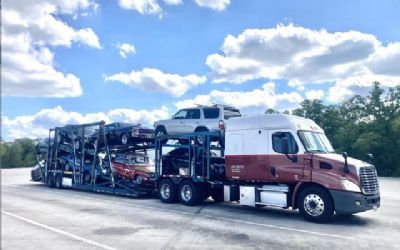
(369, 180)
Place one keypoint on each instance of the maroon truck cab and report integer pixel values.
(287, 161)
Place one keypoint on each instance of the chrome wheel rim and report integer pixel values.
(165, 191)
(314, 205)
(186, 192)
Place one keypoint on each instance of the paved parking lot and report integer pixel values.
(36, 217)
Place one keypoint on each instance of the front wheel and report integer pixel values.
(315, 204)
(167, 191)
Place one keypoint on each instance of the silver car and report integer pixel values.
(197, 119)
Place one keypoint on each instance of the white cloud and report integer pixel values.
(173, 2)
(217, 5)
(125, 49)
(144, 7)
(266, 97)
(37, 125)
(154, 80)
(315, 94)
(305, 56)
(29, 30)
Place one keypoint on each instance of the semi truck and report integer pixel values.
(274, 160)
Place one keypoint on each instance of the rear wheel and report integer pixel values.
(160, 131)
(190, 193)
(200, 140)
(316, 205)
(167, 191)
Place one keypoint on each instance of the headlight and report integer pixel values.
(151, 175)
(350, 186)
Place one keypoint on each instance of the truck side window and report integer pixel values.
(277, 140)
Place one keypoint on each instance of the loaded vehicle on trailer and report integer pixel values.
(270, 160)
(197, 119)
(137, 168)
(89, 168)
(122, 133)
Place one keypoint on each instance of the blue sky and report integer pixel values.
(278, 53)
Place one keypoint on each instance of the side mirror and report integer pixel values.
(346, 166)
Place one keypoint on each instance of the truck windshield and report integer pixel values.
(315, 142)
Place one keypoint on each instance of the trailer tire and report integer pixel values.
(191, 194)
(58, 181)
(315, 204)
(167, 191)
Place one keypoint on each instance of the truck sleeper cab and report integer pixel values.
(287, 161)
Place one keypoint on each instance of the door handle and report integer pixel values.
(273, 171)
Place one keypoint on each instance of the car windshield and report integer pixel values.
(315, 142)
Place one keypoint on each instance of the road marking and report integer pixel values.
(73, 236)
(191, 214)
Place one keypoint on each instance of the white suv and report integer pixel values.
(198, 119)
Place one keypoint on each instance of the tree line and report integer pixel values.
(359, 125)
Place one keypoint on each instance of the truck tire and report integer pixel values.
(191, 194)
(167, 191)
(160, 131)
(315, 204)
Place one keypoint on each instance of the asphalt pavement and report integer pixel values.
(34, 216)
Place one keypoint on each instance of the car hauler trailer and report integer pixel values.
(87, 166)
(270, 160)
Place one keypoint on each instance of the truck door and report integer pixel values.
(285, 168)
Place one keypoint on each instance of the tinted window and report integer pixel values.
(193, 114)
(277, 142)
(211, 113)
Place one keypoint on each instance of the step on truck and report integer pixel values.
(269, 160)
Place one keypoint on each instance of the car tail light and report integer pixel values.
(221, 125)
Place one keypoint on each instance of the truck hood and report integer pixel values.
(340, 159)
